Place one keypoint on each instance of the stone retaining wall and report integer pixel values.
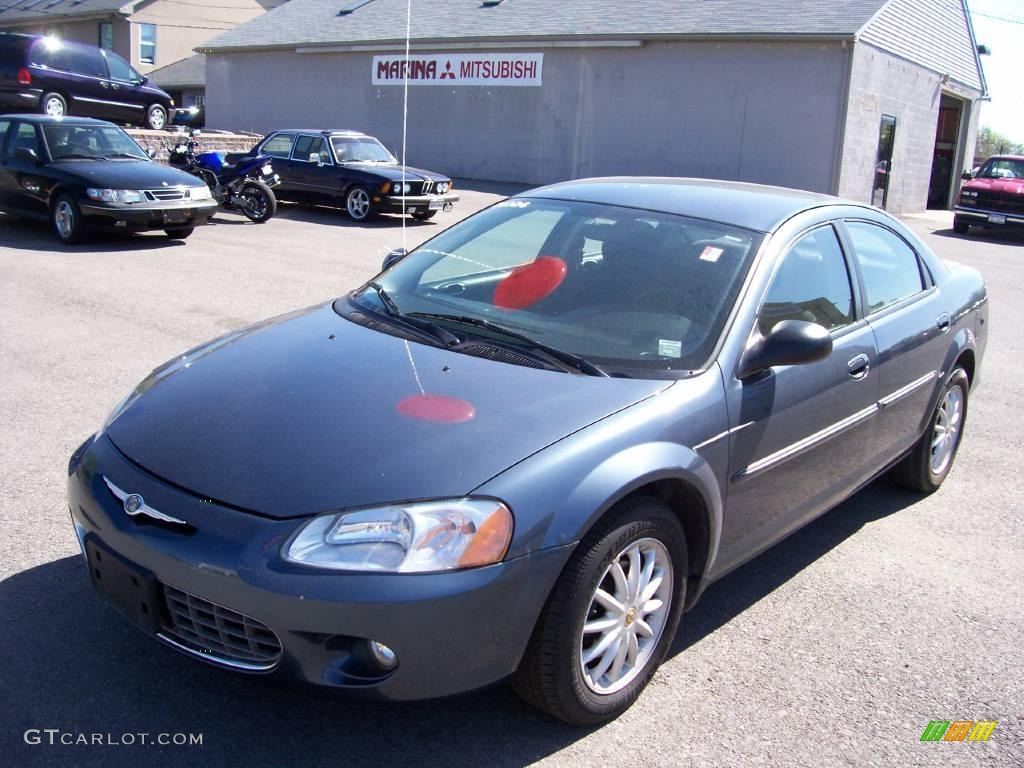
(161, 142)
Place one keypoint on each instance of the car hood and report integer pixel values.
(394, 172)
(127, 174)
(310, 412)
(1006, 186)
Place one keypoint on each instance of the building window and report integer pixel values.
(147, 43)
(106, 35)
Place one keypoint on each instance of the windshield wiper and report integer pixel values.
(124, 154)
(446, 337)
(79, 156)
(574, 362)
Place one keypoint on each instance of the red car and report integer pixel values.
(993, 196)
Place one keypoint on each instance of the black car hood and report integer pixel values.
(127, 174)
(394, 172)
(310, 412)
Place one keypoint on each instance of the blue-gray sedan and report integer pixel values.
(525, 448)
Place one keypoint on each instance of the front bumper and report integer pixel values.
(144, 216)
(451, 632)
(417, 203)
(981, 216)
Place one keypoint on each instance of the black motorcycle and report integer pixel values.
(238, 181)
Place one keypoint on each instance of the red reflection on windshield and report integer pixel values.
(528, 284)
(439, 408)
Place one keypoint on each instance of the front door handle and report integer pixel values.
(859, 366)
(942, 322)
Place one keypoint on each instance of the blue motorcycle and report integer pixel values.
(239, 182)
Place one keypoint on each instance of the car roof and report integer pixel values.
(324, 131)
(47, 120)
(751, 206)
(1007, 157)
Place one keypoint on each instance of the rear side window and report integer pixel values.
(82, 60)
(24, 136)
(889, 266)
(812, 284)
(280, 145)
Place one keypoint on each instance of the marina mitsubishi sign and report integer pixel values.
(515, 69)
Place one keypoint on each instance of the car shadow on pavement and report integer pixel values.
(758, 578)
(32, 235)
(73, 664)
(1003, 236)
(315, 214)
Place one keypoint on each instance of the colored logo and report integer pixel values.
(958, 730)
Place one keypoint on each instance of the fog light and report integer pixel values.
(383, 655)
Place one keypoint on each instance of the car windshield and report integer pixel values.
(91, 141)
(1002, 168)
(622, 288)
(363, 149)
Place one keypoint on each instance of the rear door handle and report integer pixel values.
(859, 366)
(942, 322)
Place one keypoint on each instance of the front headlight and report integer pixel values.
(200, 194)
(114, 195)
(417, 537)
(403, 189)
(443, 188)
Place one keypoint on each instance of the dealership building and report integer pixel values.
(875, 100)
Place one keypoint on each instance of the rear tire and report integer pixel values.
(180, 234)
(257, 201)
(575, 667)
(68, 224)
(961, 226)
(53, 105)
(929, 462)
(156, 117)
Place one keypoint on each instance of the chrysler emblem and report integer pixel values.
(135, 505)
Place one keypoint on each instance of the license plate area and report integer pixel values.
(436, 205)
(177, 215)
(996, 218)
(129, 587)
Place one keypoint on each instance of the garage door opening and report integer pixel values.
(947, 136)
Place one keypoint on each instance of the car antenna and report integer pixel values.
(405, 113)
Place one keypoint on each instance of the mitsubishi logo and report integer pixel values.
(448, 71)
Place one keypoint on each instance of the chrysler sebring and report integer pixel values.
(525, 448)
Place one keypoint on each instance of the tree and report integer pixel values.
(992, 143)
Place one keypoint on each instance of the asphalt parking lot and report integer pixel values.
(835, 648)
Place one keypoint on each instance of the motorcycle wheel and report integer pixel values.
(257, 201)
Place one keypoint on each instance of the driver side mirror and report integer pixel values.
(393, 258)
(26, 153)
(790, 342)
(314, 157)
(966, 175)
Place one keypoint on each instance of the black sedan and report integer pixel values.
(526, 455)
(84, 174)
(352, 170)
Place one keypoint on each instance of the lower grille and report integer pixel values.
(218, 633)
(500, 354)
(384, 327)
(1001, 201)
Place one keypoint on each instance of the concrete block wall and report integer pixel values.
(162, 142)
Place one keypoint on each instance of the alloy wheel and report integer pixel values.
(55, 107)
(626, 616)
(64, 219)
(358, 204)
(948, 420)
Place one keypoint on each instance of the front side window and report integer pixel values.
(811, 284)
(362, 149)
(106, 41)
(147, 43)
(4, 125)
(280, 145)
(625, 288)
(24, 138)
(121, 69)
(82, 60)
(888, 265)
(78, 142)
(309, 146)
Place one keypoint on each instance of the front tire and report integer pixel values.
(257, 201)
(961, 226)
(156, 117)
(610, 618)
(929, 462)
(359, 205)
(67, 220)
(53, 105)
(182, 233)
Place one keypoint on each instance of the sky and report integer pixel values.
(1004, 69)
